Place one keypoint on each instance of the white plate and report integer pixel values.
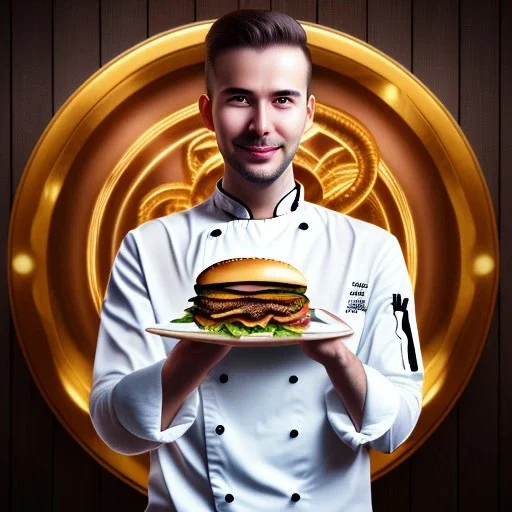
(324, 325)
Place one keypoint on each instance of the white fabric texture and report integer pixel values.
(353, 269)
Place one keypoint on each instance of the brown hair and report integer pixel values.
(253, 28)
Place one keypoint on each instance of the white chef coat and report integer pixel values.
(233, 438)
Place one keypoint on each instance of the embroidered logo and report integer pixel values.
(357, 301)
(404, 333)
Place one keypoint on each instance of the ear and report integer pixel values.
(310, 111)
(205, 109)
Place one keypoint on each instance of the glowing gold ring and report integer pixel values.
(424, 184)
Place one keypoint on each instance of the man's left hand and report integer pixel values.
(330, 353)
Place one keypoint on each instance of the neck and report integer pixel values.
(261, 199)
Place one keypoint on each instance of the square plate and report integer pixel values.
(324, 325)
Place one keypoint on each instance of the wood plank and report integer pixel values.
(123, 25)
(302, 10)
(164, 15)
(505, 300)
(5, 203)
(435, 61)
(76, 45)
(116, 495)
(391, 492)
(255, 4)
(208, 10)
(76, 35)
(479, 118)
(434, 470)
(31, 420)
(76, 475)
(351, 18)
(389, 28)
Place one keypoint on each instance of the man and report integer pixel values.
(258, 429)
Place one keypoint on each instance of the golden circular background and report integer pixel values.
(129, 146)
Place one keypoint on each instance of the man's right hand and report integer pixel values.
(185, 368)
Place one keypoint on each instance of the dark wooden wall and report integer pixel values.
(460, 49)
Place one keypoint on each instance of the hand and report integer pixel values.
(327, 352)
(185, 368)
(200, 355)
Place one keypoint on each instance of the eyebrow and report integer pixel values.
(247, 92)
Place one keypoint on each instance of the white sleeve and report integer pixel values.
(126, 396)
(390, 352)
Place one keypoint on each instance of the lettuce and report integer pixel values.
(238, 329)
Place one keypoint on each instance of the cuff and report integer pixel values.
(380, 411)
(138, 405)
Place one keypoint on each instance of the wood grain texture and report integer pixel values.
(435, 58)
(31, 420)
(166, 14)
(76, 475)
(116, 495)
(391, 492)
(303, 10)
(349, 17)
(434, 470)
(76, 44)
(479, 119)
(389, 28)
(5, 203)
(123, 24)
(505, 298)
(255, 4)
(208, 10)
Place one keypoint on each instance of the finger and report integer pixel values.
(404, 305)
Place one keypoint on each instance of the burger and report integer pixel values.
(244, 296)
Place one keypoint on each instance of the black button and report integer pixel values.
(229, 498)
(294, 433)
(293, 379)
(303, 226)
(216, 232)
(223, 378)
(295, 497)
(219, 429)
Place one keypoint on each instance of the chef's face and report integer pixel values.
(259, 110)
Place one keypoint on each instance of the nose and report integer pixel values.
(260, 123)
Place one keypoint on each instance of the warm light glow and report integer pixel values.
(78, 398)
(52, 190)
(390, 93)
(483, 265)
(23, 264)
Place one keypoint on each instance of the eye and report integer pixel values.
(238, 99)
(283, 100)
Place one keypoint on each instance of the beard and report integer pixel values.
(265, 176)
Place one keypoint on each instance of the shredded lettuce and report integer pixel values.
(238, 329)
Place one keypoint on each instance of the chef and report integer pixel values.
(258, 429)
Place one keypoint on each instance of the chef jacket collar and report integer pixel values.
(290, 202)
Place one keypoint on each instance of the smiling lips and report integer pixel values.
(260, 152)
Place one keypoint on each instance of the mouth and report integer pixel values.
(259, 152)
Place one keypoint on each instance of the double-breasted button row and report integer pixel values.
(223, 378)
(229, 498)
